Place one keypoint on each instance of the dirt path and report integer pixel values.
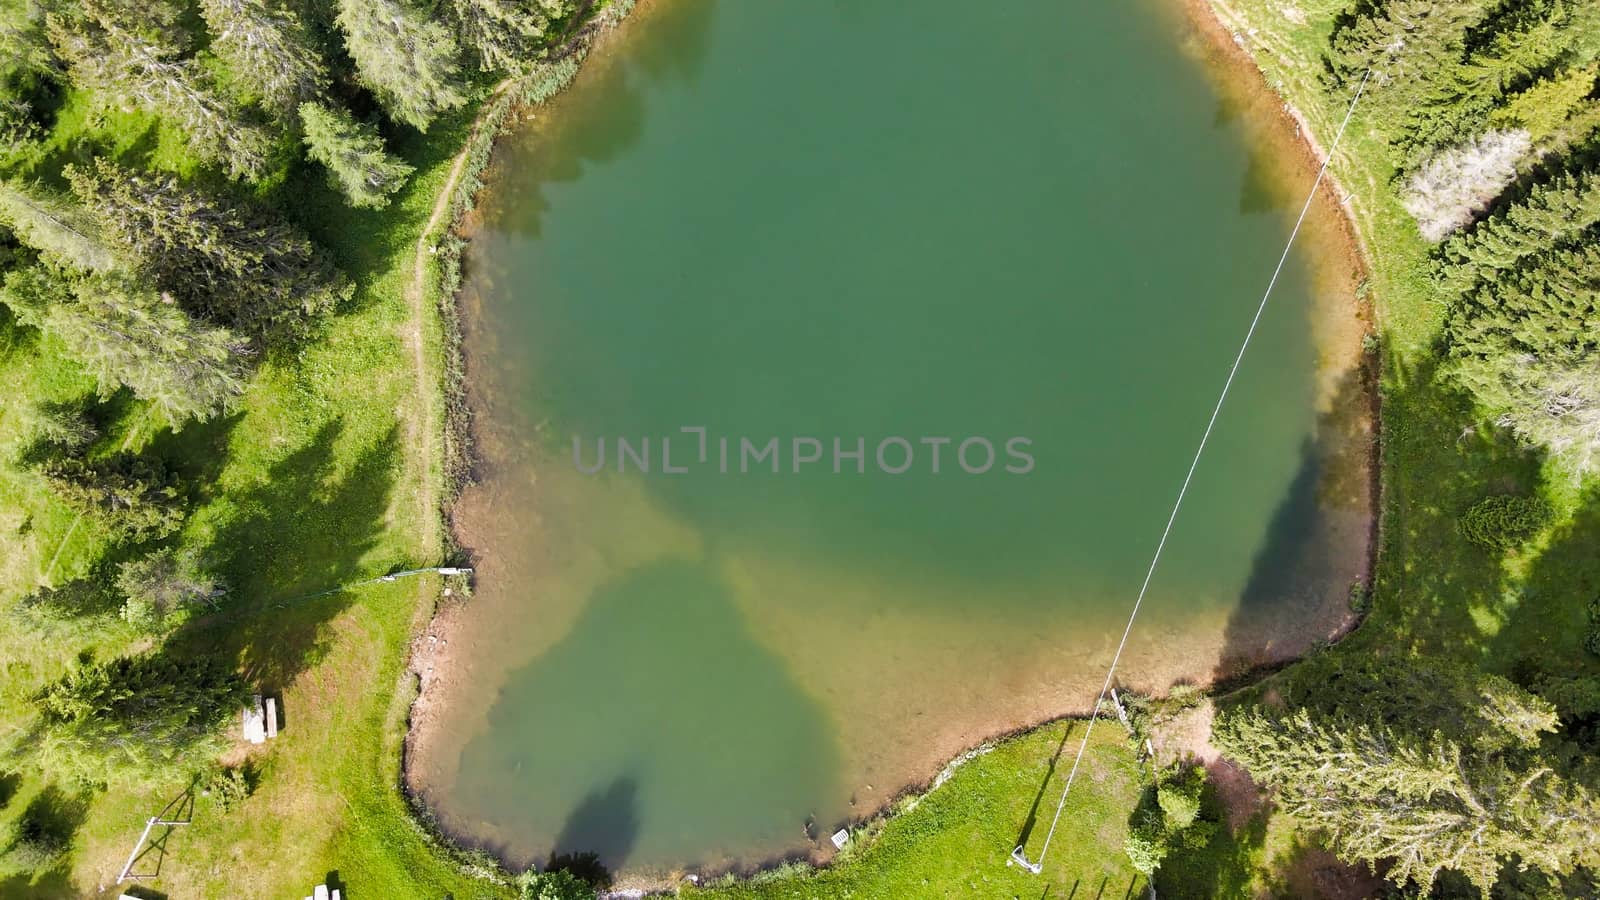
(420, 433)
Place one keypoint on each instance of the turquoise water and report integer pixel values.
(865, 221)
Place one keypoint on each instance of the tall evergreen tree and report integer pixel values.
(133, 497)
(55, 226)
(23, 44)
(268, 47)
(409, 61)
(505, 35)
(132, 719)
(1554, 405)
(237, 266)
(357, 163)
(162, 583)
(127, 51)
(1424, 802)
(1552, 215)
(124, 335)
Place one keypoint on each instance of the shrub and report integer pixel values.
(1179, 797)
(1360, 597)
(557, 884)
(1505, 521)
(1147, 844)
(228, 787)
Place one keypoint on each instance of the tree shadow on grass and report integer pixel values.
(1038, 797)
(1550, 613)
(301, 531)
(39, 845)
(1221, 866)
(1432, 591)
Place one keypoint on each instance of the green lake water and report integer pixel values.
(867, 220)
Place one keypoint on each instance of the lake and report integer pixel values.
(797, 249)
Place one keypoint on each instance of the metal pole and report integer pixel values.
(135, 854)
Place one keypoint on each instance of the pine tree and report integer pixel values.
(1544, 106)
(268, 47)
(354, 155)
(234, 265)
(505, 35)
(1552, 215)
(1554, 405)
(1422, 802)
(24, 46)
(410, 62)
(162, 583)
(124, 335)
(129, 52)
(133, 497)
(133, 719)
(55, 226)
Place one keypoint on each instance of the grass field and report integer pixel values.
(954, 841)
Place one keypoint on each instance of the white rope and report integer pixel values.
(1037, 865)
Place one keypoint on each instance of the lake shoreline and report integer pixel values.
(1235, 72)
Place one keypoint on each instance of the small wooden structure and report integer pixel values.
(260, 719)
(255, 721)
(840, 838)
(323, 892)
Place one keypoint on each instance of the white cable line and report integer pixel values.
(1038, 865)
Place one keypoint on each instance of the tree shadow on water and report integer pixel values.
(1318, 540)
(672, 48)
(599, 833)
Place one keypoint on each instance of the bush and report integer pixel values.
(1505, 521)
(1147, 844)
(1360, 597)
(229, 787)
(1179, 797)
(557, 884)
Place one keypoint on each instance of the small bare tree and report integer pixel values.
(1447, 190)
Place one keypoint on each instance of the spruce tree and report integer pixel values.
(505, 35)
(55, 226)
(1422, 802)
(129, 52)
(241, 267)
(134, 719)
(127, 335)
(1552, 215)
(407, 60)
(162, 583)
(133, 497)
(1554, 405)
(354, 155)
(267, 47)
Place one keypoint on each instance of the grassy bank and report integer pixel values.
(954, 841)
